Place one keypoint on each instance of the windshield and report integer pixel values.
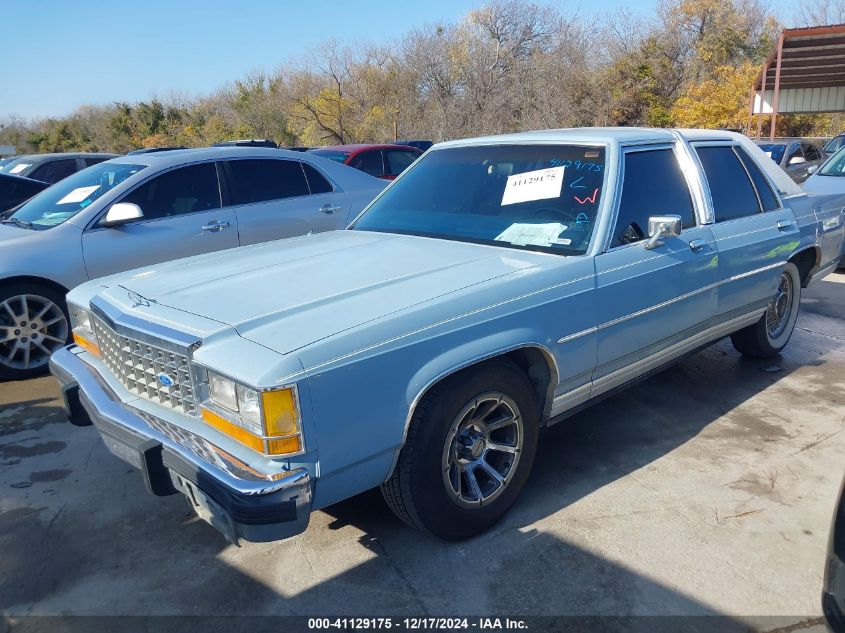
(833, 144)
(835, 165)
(534, 197)
(68, 197)
(330, 154)
(775, 152)
(16, 165)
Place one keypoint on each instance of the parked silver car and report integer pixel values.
(145, 209)
(794, 155)
(51, 168)
(829, 179)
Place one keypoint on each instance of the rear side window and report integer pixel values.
(767, 196)
(259, 180)
(54, 171)
(731, 190)
(653, 184)
(369, 162)
(317, 183)
(398, 161)
(94, 160)
(184, 190)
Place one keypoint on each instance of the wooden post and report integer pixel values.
(776, 97)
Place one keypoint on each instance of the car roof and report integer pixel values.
(357, 147)
(59, 155)
(174, 157)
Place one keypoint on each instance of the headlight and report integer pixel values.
(266, 421)
(83, 332)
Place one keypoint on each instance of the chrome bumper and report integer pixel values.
(239, 501)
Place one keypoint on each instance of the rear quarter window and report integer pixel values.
(730, 189)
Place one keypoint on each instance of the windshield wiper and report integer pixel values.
(17, 222)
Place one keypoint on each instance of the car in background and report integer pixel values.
(150, 150)
(248, 142)
(149, 208)
(830, 179)
(51, 168)
(381, 161)
(795, 156)
(8, 159)
(834, 145)
(17, 189)
(420, 145)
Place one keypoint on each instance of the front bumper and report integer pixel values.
(239, 501)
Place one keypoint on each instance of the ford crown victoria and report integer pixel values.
(496, 287)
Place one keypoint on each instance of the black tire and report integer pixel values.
(757, 340)
(417, 490)
(14, 367)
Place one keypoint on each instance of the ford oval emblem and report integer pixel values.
(166, 379)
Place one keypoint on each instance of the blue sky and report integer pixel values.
(59, 55)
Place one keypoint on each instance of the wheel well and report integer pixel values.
(807, 262)
(37, 281)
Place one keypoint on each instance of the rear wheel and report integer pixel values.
(33, 324)
(470, 447)
(772, 332)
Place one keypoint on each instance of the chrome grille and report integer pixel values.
(137, 366)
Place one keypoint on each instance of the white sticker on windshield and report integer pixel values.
(541, 184)
(533, 234)
(19, 168)
(79, 194)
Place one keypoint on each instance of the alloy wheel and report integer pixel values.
(482, 450)
(31, 329)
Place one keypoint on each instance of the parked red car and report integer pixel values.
(381, 161)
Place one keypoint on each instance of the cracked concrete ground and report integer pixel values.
(707, 489)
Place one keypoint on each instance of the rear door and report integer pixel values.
(754, 233)
(649, 300)
(182, 217)
(277, 198)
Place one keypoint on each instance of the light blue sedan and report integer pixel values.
(496, 287)
(150, 208)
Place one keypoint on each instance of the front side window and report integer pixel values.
(533, 197)
(260, 180)
(653, 184)
(54, 171)
(369, 162)
(730, 189)
(65, 199)
(811, 153)
(183, 190)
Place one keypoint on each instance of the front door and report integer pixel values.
(652, 304)
(182, 217)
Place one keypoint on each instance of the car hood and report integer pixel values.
(818, 183)
(290, 293)
(11, 232)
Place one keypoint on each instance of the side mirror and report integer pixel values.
(796, 160)
(660, 226)
(812, 169)
(121, 213)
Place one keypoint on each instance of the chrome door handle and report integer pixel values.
(330, 208)
(697, 245)
(216, 226)
(784, 225)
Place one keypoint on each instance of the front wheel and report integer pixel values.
(772, 332)
(468, 453)
(33, 324)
